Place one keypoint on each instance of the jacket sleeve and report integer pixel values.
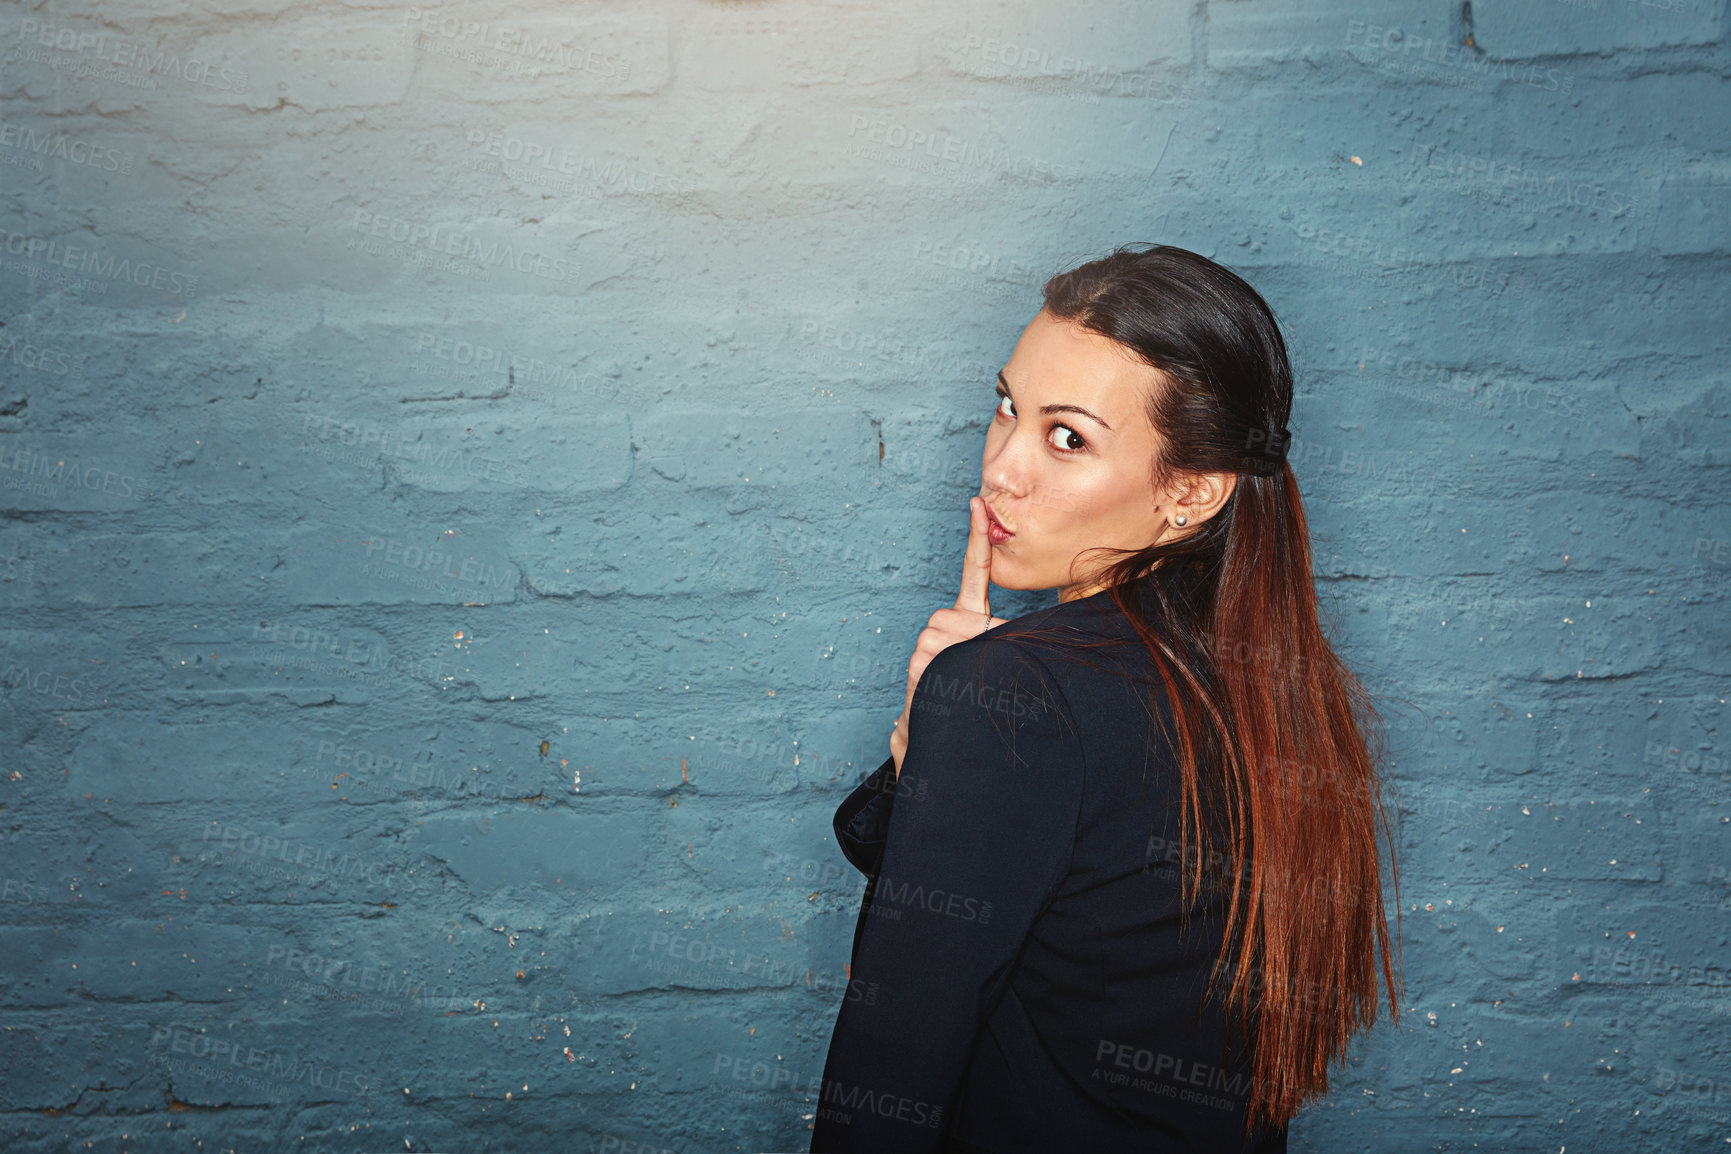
(978, 842)
(863, 819)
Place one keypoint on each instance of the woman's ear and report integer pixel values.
(1198, 496)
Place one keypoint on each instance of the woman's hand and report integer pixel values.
(971, 617)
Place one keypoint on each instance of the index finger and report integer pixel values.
(977, 562)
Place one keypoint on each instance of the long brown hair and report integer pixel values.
(1276, 742)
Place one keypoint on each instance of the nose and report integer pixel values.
(1006, 470)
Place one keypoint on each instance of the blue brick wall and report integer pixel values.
(473, 476)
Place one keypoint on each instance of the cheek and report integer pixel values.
(1068, 504)
(1101, 509)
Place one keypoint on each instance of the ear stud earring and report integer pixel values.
(1181, 520)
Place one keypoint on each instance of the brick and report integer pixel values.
(1252, 33)
(1590, 838)
(1584, 27)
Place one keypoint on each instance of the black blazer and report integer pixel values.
(1019, 980)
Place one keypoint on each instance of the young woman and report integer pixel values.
(1124, 889)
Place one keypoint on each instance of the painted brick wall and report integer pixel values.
(473, 476)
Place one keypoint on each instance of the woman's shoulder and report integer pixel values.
(997, 665)
(1087, 631)
(1085, 616)
(1084, 653)
(1033, 662)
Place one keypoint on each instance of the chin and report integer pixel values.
(1008, 575)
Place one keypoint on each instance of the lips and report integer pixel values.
(993, 519)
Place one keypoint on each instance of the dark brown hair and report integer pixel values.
(1258, 697)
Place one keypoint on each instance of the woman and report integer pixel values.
(1124, 886)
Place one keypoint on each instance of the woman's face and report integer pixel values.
(1068, 457)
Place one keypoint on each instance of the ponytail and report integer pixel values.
(1305, 809)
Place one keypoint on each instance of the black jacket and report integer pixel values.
(1019, 979)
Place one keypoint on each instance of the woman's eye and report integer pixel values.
(1072, 442)
(1003, 400)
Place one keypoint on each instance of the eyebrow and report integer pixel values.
(1060, 408)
